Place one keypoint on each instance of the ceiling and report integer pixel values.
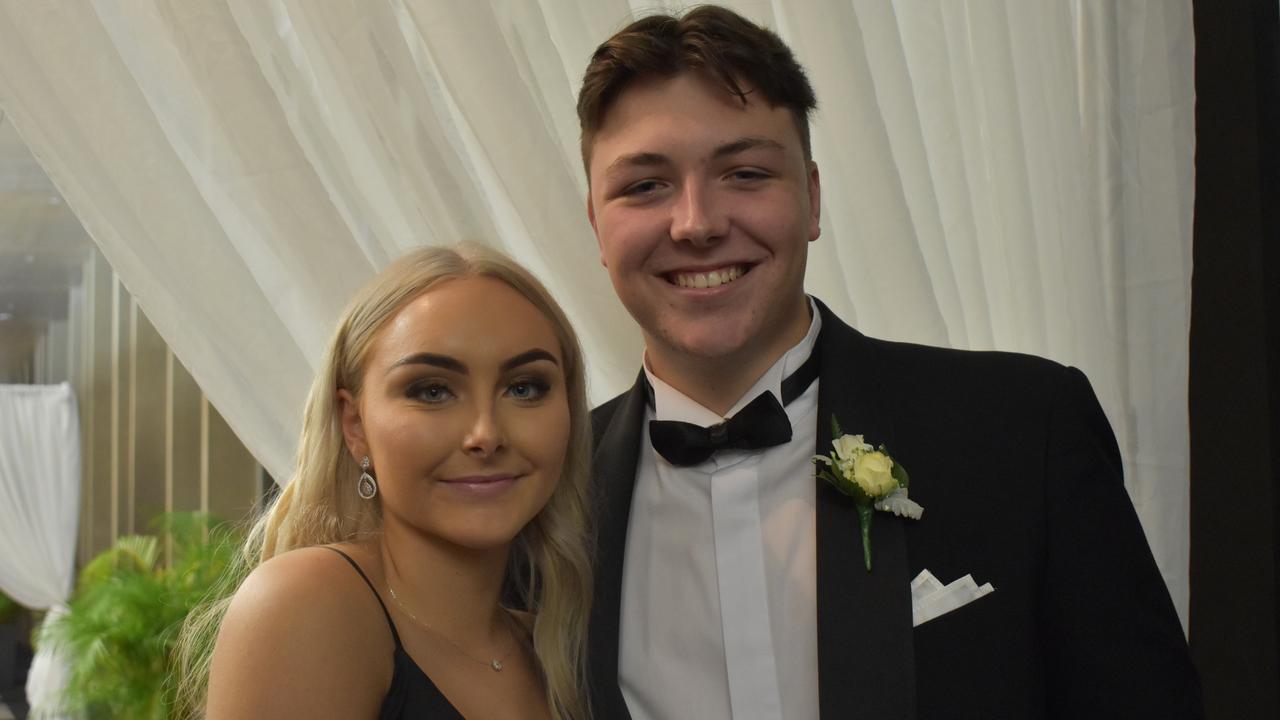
(42, 248)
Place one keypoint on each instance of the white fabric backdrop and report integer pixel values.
(39, 510)
(1013, 175)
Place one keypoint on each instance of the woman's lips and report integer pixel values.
(483, 485)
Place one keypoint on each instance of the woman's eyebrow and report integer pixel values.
(529, 356)
(443, 362)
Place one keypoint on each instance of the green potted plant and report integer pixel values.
(124, 617)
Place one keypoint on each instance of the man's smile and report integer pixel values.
(707, 278)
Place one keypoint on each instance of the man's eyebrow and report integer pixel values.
(744, 144)
(640, 159)
(529, 356)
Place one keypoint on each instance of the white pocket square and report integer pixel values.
(930, 598)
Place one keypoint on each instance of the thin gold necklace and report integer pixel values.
(494, 663)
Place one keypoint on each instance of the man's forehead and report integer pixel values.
(641, 90)
(627, 129)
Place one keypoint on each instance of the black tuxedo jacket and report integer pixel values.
(1020, 478)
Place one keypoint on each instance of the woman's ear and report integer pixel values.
(352, 425)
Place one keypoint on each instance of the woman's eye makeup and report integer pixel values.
(435, 392)
(528, 389)
(429, 391)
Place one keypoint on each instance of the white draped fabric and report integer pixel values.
(48, 676)
(39, 509)
(996, 174)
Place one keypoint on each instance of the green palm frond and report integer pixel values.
(128, 606)
(131, 554)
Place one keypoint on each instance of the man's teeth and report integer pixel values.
(714, 278)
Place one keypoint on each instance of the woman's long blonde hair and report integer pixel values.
(550, 566)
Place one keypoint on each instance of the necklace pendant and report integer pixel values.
(496, 664)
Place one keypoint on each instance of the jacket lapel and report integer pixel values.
(614, 465)
(866, 664)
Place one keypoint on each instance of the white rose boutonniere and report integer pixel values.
(868, 475)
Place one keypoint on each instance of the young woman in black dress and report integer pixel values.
(440, 485)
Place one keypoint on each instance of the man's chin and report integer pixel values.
(706, 343)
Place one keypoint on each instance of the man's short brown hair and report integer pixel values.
(709, 39)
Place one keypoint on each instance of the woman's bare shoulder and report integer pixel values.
(294, 632)
(285, 577)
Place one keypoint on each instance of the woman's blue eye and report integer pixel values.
(432, 393)
(528, 389)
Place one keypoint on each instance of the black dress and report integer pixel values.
(412, 694)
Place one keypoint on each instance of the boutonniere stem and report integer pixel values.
(868, 475)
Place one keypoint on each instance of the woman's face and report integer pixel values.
(463, 412)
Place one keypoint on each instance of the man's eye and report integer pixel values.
(528, 390)
(748, 174)
(431, 393)
(644, 187)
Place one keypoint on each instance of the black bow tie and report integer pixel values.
(761, 424)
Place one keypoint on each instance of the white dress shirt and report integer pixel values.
(719, 589)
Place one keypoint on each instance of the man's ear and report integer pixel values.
(815, 202)
(352, 425)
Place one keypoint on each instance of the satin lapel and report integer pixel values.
(614, 468)
(866, 662)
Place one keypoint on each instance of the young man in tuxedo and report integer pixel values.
(730, 581)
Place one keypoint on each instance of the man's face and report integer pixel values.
(703, 208)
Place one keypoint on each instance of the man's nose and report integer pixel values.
(699, 217)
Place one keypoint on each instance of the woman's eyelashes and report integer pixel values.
(529, 389)
(525, 389)
(431, 392)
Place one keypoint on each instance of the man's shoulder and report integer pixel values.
(912, 356)
(1002, 392)
(917, 361)
(922, 363)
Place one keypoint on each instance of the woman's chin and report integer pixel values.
(480, 534)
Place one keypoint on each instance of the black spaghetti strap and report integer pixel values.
(395, 635)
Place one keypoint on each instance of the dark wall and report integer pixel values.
(1235, 359)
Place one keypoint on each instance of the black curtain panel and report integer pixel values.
(1235, 358)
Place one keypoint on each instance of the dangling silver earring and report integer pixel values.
(367, 486)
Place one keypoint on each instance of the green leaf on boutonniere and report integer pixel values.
(900, 474)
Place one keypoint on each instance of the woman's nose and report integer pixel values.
(485, 437)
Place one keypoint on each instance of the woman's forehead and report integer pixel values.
(476, 317)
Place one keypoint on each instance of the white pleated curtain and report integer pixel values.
(1013, 175)
(39, 510)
